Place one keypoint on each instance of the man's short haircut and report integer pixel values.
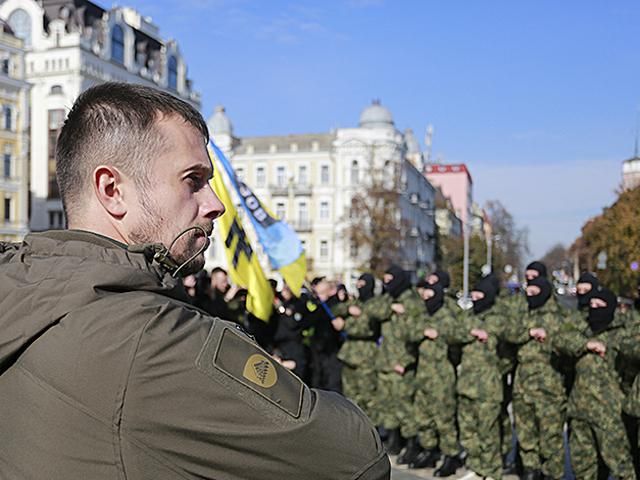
(317, 280)
(218, 270)
(115, 124)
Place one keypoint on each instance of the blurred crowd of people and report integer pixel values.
(498, 387)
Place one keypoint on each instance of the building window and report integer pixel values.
(7, 164)
(303, 244)
(56, 90)
(117, 44)
(324, 249)
(20, 23)
(281, 210)
(355, 173)
(303, 178)
(240, 173)
(303, 214)
(173, 72)
(8, 123)
(324, 174)
(260, 177)
(324, 210)
(281, 176)
(4, 65)
(56, 119)
(7, 209)
(56, 219)
(353, 249)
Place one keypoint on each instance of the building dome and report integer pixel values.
(376, 116)
(219, 123)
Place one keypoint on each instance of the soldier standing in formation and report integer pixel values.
(595, 402)
(539, 402)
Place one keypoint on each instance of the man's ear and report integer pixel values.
(108, 188)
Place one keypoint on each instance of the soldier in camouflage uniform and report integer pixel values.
(400, 310)
(479, 385)
(435, 399)
(595, 402)
(358, 353)
(539, 402)
(629, 367)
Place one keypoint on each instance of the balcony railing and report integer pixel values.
(302, 225)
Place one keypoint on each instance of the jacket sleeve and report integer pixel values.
(203, 400)
(569, 339)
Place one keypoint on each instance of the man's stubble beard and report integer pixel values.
(151, 228)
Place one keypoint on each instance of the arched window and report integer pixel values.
(117, 44)
(355, 173)
(56, 90)
(173, 73)
(20, 23)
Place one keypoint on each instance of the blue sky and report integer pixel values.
(539, 98)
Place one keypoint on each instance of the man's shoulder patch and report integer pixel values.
(232, 359)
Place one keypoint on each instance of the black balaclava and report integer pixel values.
(600, 318)
(485, 286)
(583, 300)
(443, 278)
(495, 281)
(366, 291)
(537, 301)
(399, 283)
(437, 301)
(538, 267)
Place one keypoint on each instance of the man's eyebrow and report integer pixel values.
(201, 168)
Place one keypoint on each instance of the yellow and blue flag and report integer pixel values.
(243, 265)
(278, 240)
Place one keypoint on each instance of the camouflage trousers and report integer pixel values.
(604, 438)
(359, 385)
(479, 421)
(394, 396)
(435, 419)
(540, 423)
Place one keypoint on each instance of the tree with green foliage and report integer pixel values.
(616, 232)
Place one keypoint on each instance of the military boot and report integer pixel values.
(395, 442)
(531, 475)
(410, 452)
(426, 459)
(448, 467)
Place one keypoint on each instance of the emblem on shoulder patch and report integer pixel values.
(259, 370)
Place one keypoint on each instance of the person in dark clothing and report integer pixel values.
(326, 369)
(288, 340)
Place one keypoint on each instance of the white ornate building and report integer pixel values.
(310, 179)
(71, 46)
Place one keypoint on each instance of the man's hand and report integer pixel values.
(399, 369)
(355, 311)
(597, 347)
(398, 308)
(431, 333)
(233, 289)
(480, 334)
(338, 324)
(538, 334)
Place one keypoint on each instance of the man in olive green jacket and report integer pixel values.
(106, 372)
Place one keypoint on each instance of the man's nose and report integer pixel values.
(212, 206)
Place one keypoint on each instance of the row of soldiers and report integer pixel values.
(438, 379)
(441, 378)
